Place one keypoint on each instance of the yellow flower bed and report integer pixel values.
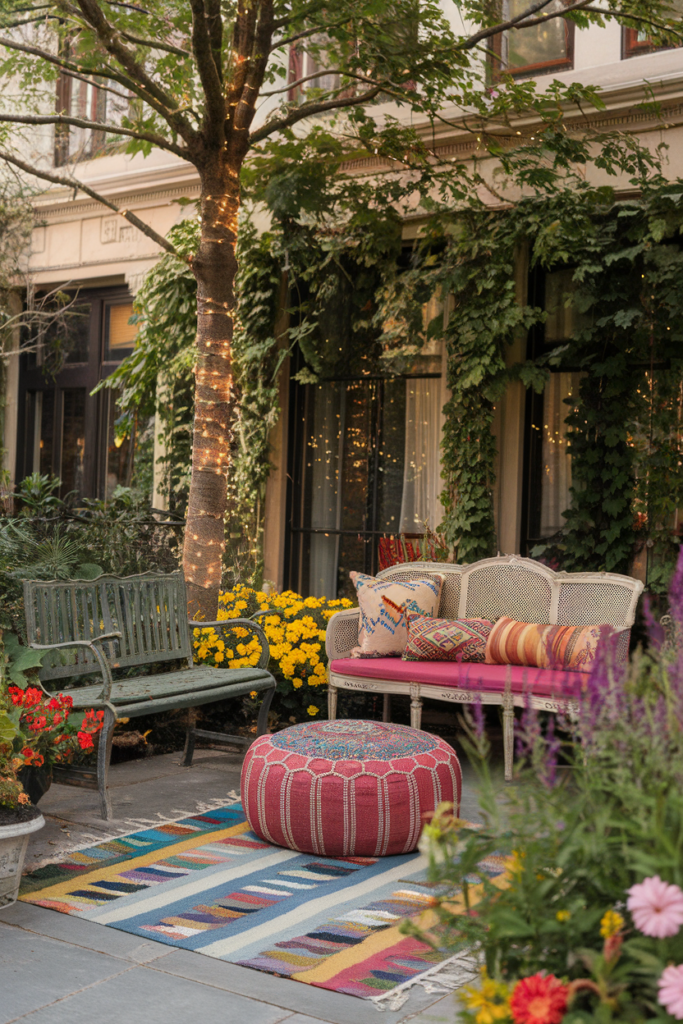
(296, 635)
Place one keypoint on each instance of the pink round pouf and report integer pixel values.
(347, 788)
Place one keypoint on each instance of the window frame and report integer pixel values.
(85, 375)
(545, 67)
(632, 47)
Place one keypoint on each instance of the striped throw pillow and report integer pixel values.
(446, 639)
(541, 645)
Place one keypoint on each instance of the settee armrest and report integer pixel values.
(93, 645)
(342, 633)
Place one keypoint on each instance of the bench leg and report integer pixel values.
(103, 759)
(331, 702)
(386, 708)
(415, 707)
(262, 723)
(190, 736)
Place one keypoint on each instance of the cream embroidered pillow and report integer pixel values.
(383, 631)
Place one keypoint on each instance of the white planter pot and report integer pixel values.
(13, 843)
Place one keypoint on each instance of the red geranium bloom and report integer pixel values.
(85, 741)
(53, 704)
(67, 701)
(32, 695)
(16, 694)
(38, 723)
(540, 999)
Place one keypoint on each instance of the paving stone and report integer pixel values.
(141, 996)
(36, 971)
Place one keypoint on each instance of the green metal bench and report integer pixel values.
(110, 623)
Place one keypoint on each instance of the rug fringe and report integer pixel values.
(448, 976)
(130, 825)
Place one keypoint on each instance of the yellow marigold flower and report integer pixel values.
(312, 709)
(253, 694)
(562, 916)
(491, 1001)
(611, 924)
(219, 656)
(296, 683)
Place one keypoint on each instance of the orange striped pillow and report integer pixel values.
(541, 645)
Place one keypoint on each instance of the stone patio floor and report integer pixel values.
(56, 969)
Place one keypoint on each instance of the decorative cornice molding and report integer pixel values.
(86, 207)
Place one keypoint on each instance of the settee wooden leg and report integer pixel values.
(331, 701)
(415, 707)
(508, 730)
(103, 759)
(190, 736)
(262, 723)
(386, 708)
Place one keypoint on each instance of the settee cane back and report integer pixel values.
(510, 585)
(112, 623)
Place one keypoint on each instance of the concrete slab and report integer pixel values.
(138, 995)
(37, 971)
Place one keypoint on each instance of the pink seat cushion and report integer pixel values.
(542, 682)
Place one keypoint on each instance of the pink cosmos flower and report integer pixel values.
(657, 907)
(671, 991)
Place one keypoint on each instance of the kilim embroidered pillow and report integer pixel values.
(529, 643)
(382, 631)
(446, 639)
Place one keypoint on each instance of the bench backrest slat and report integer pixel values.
(150, 611)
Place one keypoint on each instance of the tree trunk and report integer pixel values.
(214, 267)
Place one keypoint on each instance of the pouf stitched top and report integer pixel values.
(347, 788)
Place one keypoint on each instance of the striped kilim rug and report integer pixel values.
(208, 884)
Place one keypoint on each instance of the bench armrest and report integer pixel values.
(91, 645)
(226, 625)
(342, 633)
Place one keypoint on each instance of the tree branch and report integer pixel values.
(256, 69)
(79, 122)
(309, 110)
(158, 45)
(493, 30)
(311, 32)
(214, 21)
(98, 85)
(208, 72)
(108, 36)
(78, 70)
(57, 179)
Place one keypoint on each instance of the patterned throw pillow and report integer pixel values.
(541, 645)
(446, 639)
(383, 632)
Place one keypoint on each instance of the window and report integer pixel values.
(541, 48)
(547, 462)
(636, 41)
(82, 99)
(68, 431)
(364, 463)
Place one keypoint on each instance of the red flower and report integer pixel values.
(53, 704)
(85, 740)
(56, 718)
(66, 700)
(38, 723)
(32, 695)
(17, 695)
(540, 999)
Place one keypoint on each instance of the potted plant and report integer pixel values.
(48, 735)
(18, 817)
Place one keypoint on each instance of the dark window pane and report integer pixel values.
(45, 416)
(73, 440)
(391, 456)
(357, 456)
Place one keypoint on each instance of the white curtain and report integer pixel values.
(422, 483)
(323, 454)
(557, 466)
